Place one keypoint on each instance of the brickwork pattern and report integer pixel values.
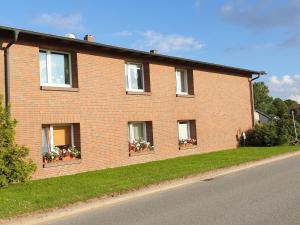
(221, 107)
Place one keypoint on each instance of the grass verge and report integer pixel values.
(59, 191)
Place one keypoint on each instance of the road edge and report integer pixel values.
(42, 217)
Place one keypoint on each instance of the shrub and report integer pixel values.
(14, 163)
(273, 133)
(262, 135)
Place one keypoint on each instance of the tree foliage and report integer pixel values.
(262, 100)
(14, 163)
(280, 129)
(290, 102)
(280, 108)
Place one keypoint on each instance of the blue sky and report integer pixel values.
(259, 35)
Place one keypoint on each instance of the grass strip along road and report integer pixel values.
(49, 193)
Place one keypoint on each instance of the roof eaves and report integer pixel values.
(144, 53)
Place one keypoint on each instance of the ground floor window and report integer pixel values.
(140, 136)
(58, 142)
(187, 133)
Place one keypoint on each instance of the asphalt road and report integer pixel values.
(268, 194)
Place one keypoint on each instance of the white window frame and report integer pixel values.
(185, 73)
(131, 133)
(60, 125)
(49, 69)
(188, 127)
(128, 78)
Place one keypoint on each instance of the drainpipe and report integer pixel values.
(252, 95)
(7, 67)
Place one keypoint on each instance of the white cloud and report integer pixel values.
(274, 80)
(288, 80)
(168, 42)
(264, 15)
(295, 98)
(287, 86)
(66, 22)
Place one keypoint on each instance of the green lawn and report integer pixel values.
(60, 191)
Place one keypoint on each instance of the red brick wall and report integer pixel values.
(221, 106)
(2, 73)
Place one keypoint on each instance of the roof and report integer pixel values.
(8, 32)
(295, 106)
(262, 113)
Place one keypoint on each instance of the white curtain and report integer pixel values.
(135, 77)
(137, 130)
(181, 81)
(45, 139)
(183, 129)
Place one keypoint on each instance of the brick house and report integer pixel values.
(108, 100)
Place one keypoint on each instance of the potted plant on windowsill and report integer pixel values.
(51, 155)
(61, 153)
(75, 152)
(185, 143)
(140, 145)
(66, 154)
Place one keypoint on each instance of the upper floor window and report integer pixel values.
(55, 69)
(134, 77)
(184, 82)
(181, 81)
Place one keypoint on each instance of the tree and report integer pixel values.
(298, 118)
(290, 102)
(14, 163)
(276, 132)
(281, 109)
(262, 100)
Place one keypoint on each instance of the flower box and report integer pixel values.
(187, 143)
(64, 153)
(67, 158)
(139, 146)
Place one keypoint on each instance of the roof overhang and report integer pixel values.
(31, 36)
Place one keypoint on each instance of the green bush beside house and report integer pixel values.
(279, 130)
(14, 165)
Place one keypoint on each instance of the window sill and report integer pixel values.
(188, 147)
(62, 163)
(138, 93)
(185, 96)
(51, 88)
(141, 153)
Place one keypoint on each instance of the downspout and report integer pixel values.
(7, 67)
(252, 96)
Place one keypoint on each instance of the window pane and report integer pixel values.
(183, 129)
(181, 81)
(178, 81)
(67, 70)
(45, 139)
(137, 131)
(140, 77)
(62, 135)
(135, 77)
(60, 68)
(43, 67)
(132, 79)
